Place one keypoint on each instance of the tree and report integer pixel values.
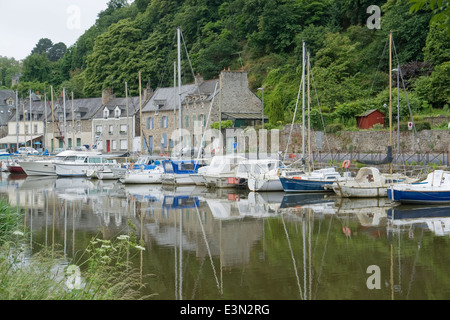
(57, 51)
(112, 59)
(36, 67)
(440, 9)
(9, 68)
(43, 46)
(437, 47)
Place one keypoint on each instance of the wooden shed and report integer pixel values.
(368, 119)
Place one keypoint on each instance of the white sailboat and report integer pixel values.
(369, 181)
(263, 175)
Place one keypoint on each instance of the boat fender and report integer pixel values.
(132, 166)
(346, 164)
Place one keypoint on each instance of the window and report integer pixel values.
(123, 144)
(151, 123)
(79, 126)
(186, 121)
(117, 112)
(78, 142)
(70, 128)
(167, 121)
(123, 128)
(114, 145)
(111, 129)
(35, 128)
(99, 129)
(105, 113)
(202, 119)
(26, 128)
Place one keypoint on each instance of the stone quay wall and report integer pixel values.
(367, 141)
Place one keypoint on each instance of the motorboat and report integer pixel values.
(198, 177)
(222, 170)
(83, 163)
(368, 183)
(435, 189)
(46, 166)
(177, 172)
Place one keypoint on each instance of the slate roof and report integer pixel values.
(167, 98)
(6, 94)
(133, 106)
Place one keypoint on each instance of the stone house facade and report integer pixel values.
(114, 126)
(202, 103)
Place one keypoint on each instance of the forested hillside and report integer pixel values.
(349, 61)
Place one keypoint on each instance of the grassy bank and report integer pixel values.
(101, 272)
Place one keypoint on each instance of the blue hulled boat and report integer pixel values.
(435, 189)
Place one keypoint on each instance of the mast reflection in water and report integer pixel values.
(238, 245)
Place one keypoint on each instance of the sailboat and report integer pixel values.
(369, 181)
(318, 180)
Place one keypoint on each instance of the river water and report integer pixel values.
(236, 245)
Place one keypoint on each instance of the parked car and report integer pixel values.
(27, 150)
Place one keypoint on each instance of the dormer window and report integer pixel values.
(117, 112)
(105, 113)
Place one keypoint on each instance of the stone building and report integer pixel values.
(202, 103)
(115, 122)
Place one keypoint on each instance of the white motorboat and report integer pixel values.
(89, 161)
(222, 171)
(198, 177)
(46, 166)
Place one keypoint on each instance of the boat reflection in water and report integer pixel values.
(436, 218)
(230, 244)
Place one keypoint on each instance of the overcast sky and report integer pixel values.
(24, 22)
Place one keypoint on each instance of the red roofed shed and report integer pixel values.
(368, 119)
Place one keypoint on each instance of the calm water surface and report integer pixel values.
(236, 245)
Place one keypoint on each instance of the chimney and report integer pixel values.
(148, 92)
(199, 79)
(107, 95)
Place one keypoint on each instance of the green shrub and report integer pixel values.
(334, 127)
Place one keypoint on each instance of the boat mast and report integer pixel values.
(140, 115)
(303, 102)
(31, 128)
(73, 126)
(53, 119)
(128, 118)
(390, 97)
(309, 117)
(65, 124)
(180, 117)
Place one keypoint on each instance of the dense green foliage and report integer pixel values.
(349, 61)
